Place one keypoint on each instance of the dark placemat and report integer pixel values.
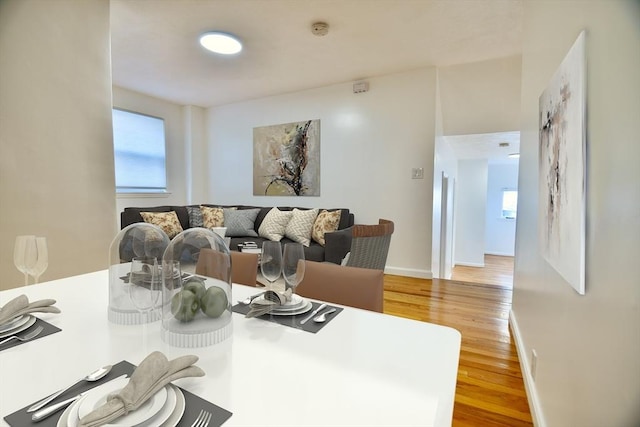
(293, 321)
(193, 403)
(48, 329)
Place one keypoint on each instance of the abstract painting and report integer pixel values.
(561, 159)
(286, 159)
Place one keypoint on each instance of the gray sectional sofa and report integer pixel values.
(337, 243)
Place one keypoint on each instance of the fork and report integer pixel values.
(248, 300)
(25, 337)
(203, 419)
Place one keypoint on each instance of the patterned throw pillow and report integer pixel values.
(212, 217)
(240, 222)
(195, 216)
(300, 225)
(326, 222)
(168, 221)
(274, 224)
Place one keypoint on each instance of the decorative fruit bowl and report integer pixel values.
(196, 291)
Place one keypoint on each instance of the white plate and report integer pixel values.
(175, 400)
(147, 410)
(300, 310)
(296, 302)
(26, 325)
(13, 323)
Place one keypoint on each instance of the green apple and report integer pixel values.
(184, 305)
(196, 286)
(214, 302)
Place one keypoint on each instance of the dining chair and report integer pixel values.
(370, 245)
(244, 266)
(352, 286)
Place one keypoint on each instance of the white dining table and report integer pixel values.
(361, 369)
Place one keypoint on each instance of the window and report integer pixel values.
(509, 204)
(139, 152)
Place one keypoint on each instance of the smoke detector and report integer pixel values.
(320, 29)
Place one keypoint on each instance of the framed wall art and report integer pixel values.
(562, 148)
(286, 159)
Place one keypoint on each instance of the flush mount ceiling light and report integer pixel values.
(223, 43)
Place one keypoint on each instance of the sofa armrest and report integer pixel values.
(336, 245)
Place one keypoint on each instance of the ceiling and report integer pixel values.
(486, 146)
(155, 47)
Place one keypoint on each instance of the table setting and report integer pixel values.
(18, 325)
(127, 396)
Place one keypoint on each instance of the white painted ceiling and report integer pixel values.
(486, 146)
(155, 46)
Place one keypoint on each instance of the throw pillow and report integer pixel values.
(240, 222)
(212, 217)
(299, 227)
(274, 224)
(326, 222)
(195, 216)
(168, 221)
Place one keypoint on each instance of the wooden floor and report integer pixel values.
(497, 270)
(490, 390)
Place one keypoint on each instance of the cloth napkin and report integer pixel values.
(271, 299)
(20, 305)
(153, 373)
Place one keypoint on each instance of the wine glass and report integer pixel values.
(19, 252)
(37, 257)
(293, 265)
(271, 261)
(144, 285)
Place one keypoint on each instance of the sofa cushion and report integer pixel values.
(212, 217)
(274, 224)
(240, 222)
(195, 216)
(168, 221)
(326, 222)
(299, 227)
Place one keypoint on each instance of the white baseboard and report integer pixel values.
(470, 264)
(499, 253)
(525, 367)
(409, 272)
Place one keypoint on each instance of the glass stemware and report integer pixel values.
(38, 257)
(271, 261)
(293, 265)
(144, 285)
(19, 253)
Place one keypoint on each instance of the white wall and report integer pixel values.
(481, 97)
(444, 162)
(500, 233)
(177, 135)
(470, 211)
(588, 368)
(56, 152)
(369, 143)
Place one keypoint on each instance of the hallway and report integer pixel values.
(497, 270)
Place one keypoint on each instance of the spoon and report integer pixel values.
(323, 317)
(93, 376)
(248, 300)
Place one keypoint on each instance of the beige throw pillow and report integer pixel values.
(212, 217)
(299, 227)
(274, 224)
(326, 222)
(168, 221)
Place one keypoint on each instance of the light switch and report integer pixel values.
(417, 173)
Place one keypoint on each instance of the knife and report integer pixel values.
(52, 409)
(313, 313)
